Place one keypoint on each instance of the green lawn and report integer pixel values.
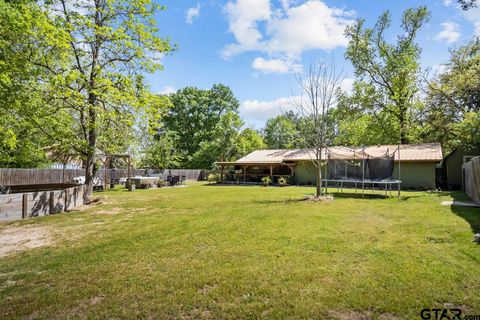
(236, 252)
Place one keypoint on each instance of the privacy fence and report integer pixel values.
(471, 179)
(12, 177)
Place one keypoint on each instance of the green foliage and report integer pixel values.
(281, 132)
(161, 183)
(160, 152)
(282, 181)
(248, 141)
(212, 178)
(387, 74)
(204, 125)
(81, 70)
(21, 138)
(266, 181)
(453, 101)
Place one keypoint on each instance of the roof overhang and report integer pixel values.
(251, 163)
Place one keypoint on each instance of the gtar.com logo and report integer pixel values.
(445, 314)
(441, 314)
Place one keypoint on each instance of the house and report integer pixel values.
(414, 164)
(452, 166)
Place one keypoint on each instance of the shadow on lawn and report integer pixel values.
(353, 195)
(285, 201)
(335, 195)
(469, 214)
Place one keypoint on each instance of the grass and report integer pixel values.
(217, 252)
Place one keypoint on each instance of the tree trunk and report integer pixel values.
(89, 175)
(92, 142)
(319, 176)
(402, 121)
(403, 134)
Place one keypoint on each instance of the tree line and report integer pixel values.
(72, 83)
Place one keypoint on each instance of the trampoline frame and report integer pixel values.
(387, 182)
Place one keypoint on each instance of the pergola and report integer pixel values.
(255, 170)
(107, 159)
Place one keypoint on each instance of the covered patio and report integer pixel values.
(253, 172)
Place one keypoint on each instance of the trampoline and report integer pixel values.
(354, 167)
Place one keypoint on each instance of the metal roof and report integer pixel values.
(431, 152)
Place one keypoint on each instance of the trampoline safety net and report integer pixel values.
(370, 168)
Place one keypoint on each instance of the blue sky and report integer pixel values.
(256, 46)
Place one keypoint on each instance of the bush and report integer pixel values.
(282, 181)
(266, 181)
(161, 183)
(212, 178)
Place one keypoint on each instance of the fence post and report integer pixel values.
(24, 206)
(50, 202)
(65, 205)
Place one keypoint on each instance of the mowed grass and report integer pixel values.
(238, 252)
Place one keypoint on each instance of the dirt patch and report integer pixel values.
(206, 289)
(96, 300)
(388, 316)
(197, 313)
(17, 239)
(349, 315)
(111, 211)
(311, 198)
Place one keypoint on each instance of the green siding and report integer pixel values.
(453, 164)
(416, 174)
(413, 174)
(306, 173)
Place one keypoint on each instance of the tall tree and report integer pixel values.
(105, 46)
(454, 97)
(248, 141)
(319, 90)
(21, 145)
(221, 146)
(388, 73)
(203, 123)
(281, 132)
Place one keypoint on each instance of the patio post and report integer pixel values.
(129, 173)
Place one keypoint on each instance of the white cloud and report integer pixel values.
(192, 13)
(450, 32)
(275, 65)
(312, 25)
(167, 90)
(284, 32)
(447, 3)
(439, 68)
(257, 112)
(473, 15)
(347, 85)
(243, 17)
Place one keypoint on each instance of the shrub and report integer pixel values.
(212, 178)
(161, 183)
(282, 181)
(266, 181)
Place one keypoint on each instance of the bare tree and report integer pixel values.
(320, 87)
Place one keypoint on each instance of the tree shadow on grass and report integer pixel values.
(469, 214)
(278, 201)
(338, 195)
(352, 195)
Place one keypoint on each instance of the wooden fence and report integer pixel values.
(471, 174)
(34, 204)
(12, 177)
